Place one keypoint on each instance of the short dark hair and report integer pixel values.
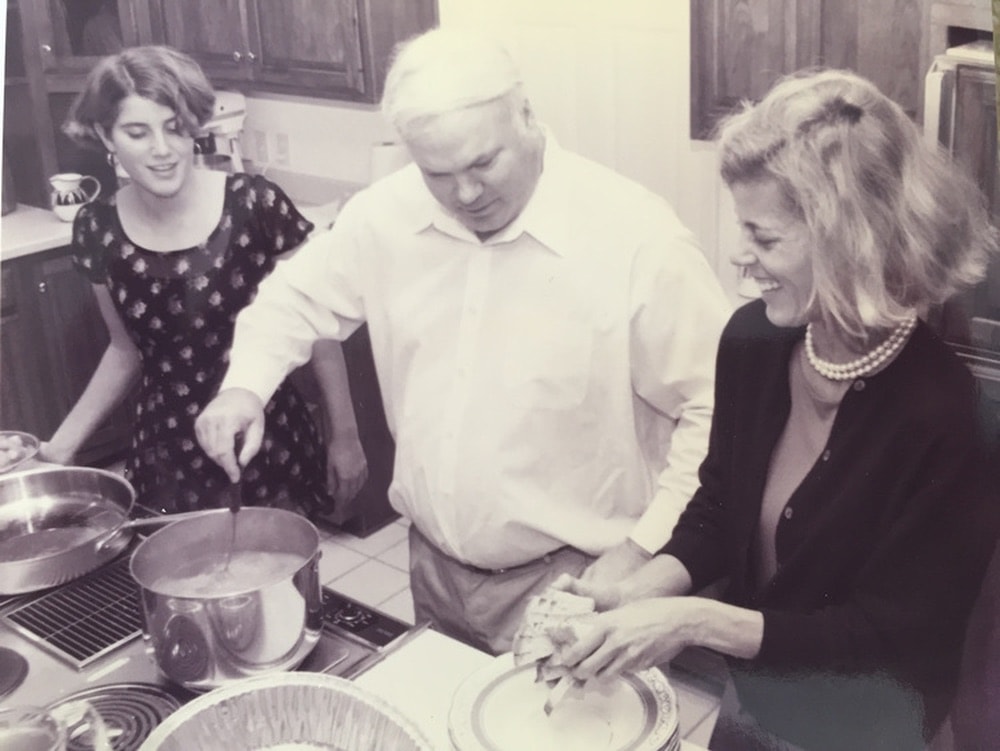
(155, 72)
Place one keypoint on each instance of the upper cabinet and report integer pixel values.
(324, 48)
(72, 36)
(214, 33)
(741, 47)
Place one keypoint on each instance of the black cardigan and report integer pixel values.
(880, 550)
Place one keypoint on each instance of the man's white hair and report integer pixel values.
(442, 71)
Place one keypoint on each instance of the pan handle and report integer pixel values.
(101, 542)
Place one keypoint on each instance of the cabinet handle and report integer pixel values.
(237, 56)
(251, 56)
(46, 48)
(43, 288)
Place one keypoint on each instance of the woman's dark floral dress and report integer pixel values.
(179, 308)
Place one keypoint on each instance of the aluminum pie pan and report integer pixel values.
(286, 711)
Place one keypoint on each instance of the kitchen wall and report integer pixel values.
(612, 80)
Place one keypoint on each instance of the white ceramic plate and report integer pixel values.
(22, 446)
(500, 708)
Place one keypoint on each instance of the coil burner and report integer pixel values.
(129, 710)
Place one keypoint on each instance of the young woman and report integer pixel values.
(174, 256)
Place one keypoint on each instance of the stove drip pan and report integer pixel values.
(130, 712)
(13, 669)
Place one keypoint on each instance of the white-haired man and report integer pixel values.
(544, 333)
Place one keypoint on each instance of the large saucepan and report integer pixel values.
(211, 622)
(50, 520)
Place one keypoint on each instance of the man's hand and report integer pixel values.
(605, 596)
(616, 563)
(234, 412)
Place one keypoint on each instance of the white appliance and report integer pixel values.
(225, 127)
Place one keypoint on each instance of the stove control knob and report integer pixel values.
(352, 617)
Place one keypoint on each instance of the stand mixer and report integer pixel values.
(222, 131)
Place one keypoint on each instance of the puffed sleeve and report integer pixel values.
(280, 221)
(88, 252)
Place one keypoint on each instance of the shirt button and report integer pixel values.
(788, 512)
(826, 455)
(859, 385)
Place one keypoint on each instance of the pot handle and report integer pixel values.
(102, 542)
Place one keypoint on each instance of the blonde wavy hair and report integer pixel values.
(155, 72)
(897, 226)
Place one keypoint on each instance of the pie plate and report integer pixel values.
(500, 708)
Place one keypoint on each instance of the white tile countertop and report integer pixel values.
(29, 229)
(422, 676)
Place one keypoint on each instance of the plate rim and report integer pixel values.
(661, 701)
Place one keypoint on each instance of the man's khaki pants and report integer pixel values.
(479, 607)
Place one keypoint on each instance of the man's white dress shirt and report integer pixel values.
(550, 386)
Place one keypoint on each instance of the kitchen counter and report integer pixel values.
(421, 677)
(29, 229)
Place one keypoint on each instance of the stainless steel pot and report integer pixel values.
(209, 626)
(49, 520)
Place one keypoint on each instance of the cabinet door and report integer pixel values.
(25, 385)
(214, 33)
(75, 34)
(74, 338)
(307, 43)
(740, 48)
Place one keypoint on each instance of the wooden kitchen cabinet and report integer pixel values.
(740, 48)
(213, 33)
(25, 383)
(72, 35)
(321, 48)
(52, 336)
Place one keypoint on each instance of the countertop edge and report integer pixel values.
(29, 229)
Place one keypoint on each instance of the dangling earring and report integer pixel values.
(112, 161)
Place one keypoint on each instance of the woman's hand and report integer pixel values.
(633, 637)
(50, 452)
(652, 631)
(346, 467)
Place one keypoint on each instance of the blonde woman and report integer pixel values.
(844, 496)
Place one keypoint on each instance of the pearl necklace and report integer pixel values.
(866, 363)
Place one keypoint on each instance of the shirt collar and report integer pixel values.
(544, 217)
